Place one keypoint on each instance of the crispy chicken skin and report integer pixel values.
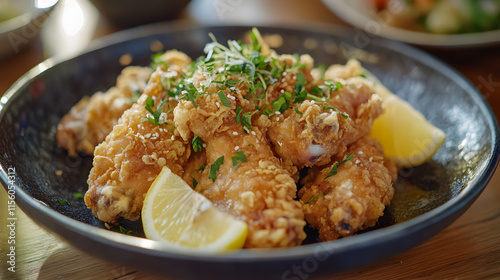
(313, 136)
(359, 101)
(134, 153)
(355, 197)
(92, 118)
(260, 191)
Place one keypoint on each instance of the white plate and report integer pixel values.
(364, 18)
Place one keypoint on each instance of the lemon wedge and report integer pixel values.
(175, 214)
(404, 133)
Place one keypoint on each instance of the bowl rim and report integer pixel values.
(350, 15)
(144, 246)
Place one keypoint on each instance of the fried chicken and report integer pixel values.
(135, 151)
(258, 191)
(355, 197)
(92, 118)
(313, 132)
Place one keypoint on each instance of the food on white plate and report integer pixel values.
(442, 16)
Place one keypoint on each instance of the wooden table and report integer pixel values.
(468, 249)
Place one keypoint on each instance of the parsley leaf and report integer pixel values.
(78, 195)
(156, 61)
(244, 118)
(301, 79)
(239, 158)
(215, 167)
(156, 115)
(330, 107)
(314, 197)
(197, 143)
(63, 201)
(195, 183)
(336, 165)
(125, 231)
(282, 103)
(201, 167)
(223, 99)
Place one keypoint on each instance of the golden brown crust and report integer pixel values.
(260, 191)
(134, 153)
(92, 118)
(354, 198)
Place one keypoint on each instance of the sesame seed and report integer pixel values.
(236, 148)
(282, 91)
(253, 133)
(371, 159)
(277, 112)
(172, 138)
(235, 133)
(283, 80)
(204, 145)
(360, 152)
(358, 161)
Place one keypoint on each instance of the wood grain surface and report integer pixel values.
(468, 249)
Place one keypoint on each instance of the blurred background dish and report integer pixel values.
(440, 24)
(128, 13)
(20, 23)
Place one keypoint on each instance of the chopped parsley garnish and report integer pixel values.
(215, 167)
(63, 201)
(245, 119)
(238, 158)
(78, 195)
(201, 167)
(125, 231)
(336, 165)
(156, 61)
(195, 183)
(191, 93)
(297, 111)
(282, 103)
(362, 76)
(197, 143)
(157, 118)
(223, 99)
(314, 197)
(330, 107)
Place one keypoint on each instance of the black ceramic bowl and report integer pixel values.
(428, 197)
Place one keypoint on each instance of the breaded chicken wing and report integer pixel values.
(256, 189)
(313, 132)
(92, 118)
(135, 151)
(355, 197)
(358, 100)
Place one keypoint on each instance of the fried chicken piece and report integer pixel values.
(309, 138)
(258, 191)
(135, 151)
(312, 132)
(358, 100)
(92, 118)
(355, 197)
(338, 71)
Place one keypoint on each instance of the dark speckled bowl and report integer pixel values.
(428, 197)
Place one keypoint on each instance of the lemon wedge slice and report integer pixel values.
(176, 215)
(404, 133)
